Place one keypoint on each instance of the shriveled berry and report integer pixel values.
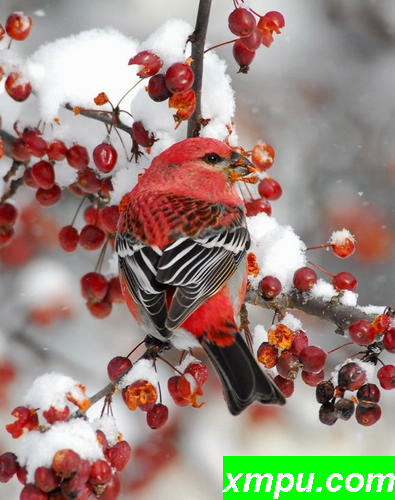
(157, 416)
(367, 415)
(100, 472)
(243, 55)
(327, 414)
(8, 214)
(17, 86)
(94, 286)
(105, 157)
(68, 238)
(65, 463)
(389, 340)
(312, 379)
(255, 207)
(8, 466)
(351, 377)
(77, 157)
(117, 366)
(386, 376)
(91, 237)
(45, 479)
(43, 174)
(142, 136)
(300, 341)
(53, 414)
(304, 278)
(270, 189)
(179, 77)
(285, 385)
(362, 332)
(271, 22)
(157, 88)
(150, 62)
(270, 287)
(344, 281)
(241, 22)
(368, 393)
(313, 358)
(288, 365)
(324, 391)
(30, 492)
(267, 355)
(344, 408)
(18, 26)
(57, 150)
(48, 197)
(381, 323)
(281, 336)
(199, 371)
(119, 455)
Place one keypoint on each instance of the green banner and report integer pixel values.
(287, 478)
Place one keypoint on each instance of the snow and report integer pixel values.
(371, 309)
(348, 298)
(278, 249)
(188, 359)
(36, 449)
(292, 322)
(259, 335)
(64, 175)
(107, 424)
(50, 389)
(323, 290)
(339, 237)
(141, 370)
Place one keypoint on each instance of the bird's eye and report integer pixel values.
(212, 158)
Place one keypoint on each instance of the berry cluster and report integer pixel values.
(185, 388)
(100, 293)
(8, 216)
(175, 84)
(252, 34)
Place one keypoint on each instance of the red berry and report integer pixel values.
(53, 414)
(270, 189)
(344, 281)
(254, 40)
(381, 323)
(119, 455)
(324, 391)
(386, 376)
(142, 136)
(151, 63)
(43, 174)
(100, 472)
(313, 358)
(286, 386)
(243, 55)
(8, 466)
(77, 157)
(312, 379)
(28, 179)
(21, 474)
(17, 86)
(88, 181)
(271, 21)
(241, 22)
(255, 207)
(389, 340)
(270, 287)
(179, 77)
(367, 415)
(157, 89)
(344, 408)
(94, 286)
(45, 479)
(6, 234)
(106, 186)
(344, 247)
(91, 215)
(351, 377)
(304, 278)
(30, 492)
(105, 157)
(267, 354)
(262, 156)
(100, 310)
(18, 26)
(327, 414)
(35, 144)
(109, 218)
(288, 365)
(199, 372)
(91, 237)
(362, 332)
(112, 489)
(68, 238)
(48, 197)
(8, 214)
(368, 393)
(117, 366)
(57, 150)
(300, 341)
(172, 386)
(19, 151)
(115, 291)
(157, 416)
(65, 463)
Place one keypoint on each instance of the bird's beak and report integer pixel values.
(241, 169)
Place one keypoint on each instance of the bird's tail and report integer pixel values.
(242, 379)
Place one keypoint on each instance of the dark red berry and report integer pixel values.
(77, 157)
(179, 77)
(367, 415)
(151, 63)
(28, 179)
(368, 393)
(117, 366)
(91, 237)
(17, 87)
(386, 376)
(119, 455)
(199, 372)
(68, 238)
(100, 310)
(300, 341)
(255, 207)
(241, 22)
(270, 189)
(87, 181)
(8, 466)
(100, 472)
(6, 234)
(35, 144)
(304, 278)
(327, 414)
(362, 332)
(344, 408)
(48, 197)
(19, 151)
(313, 358)
(157, 88)
(270, 287)
(45, 479)
(30, 492)
(142, 136)
(243, 55)
(18, 26)
(351, 376)
(324, 391)
(344, 281)
(286, 386)
(288, 365)
(105, 157)
(8, 214)
(157, 416)
(312, 379)
(57, 150)
(43, 174)
(65, 463)
(254, 40)
(53, 414)
(94, 286)
(389, 340)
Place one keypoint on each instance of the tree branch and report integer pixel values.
(198, 39)
(111, 118)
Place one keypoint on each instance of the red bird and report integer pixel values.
(182, 242)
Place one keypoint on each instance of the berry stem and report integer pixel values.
(323, 270)
(135, 348)
(169, 364)
(339, 347)
(318, 247)
(77, 211)
(101, 256)
(126, 93)
(220, 45)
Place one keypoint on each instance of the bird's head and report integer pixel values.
(213, 155)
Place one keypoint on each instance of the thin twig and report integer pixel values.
(101, 117)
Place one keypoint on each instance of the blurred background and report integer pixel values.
(323, 97)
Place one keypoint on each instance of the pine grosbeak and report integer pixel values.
(182, 242)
